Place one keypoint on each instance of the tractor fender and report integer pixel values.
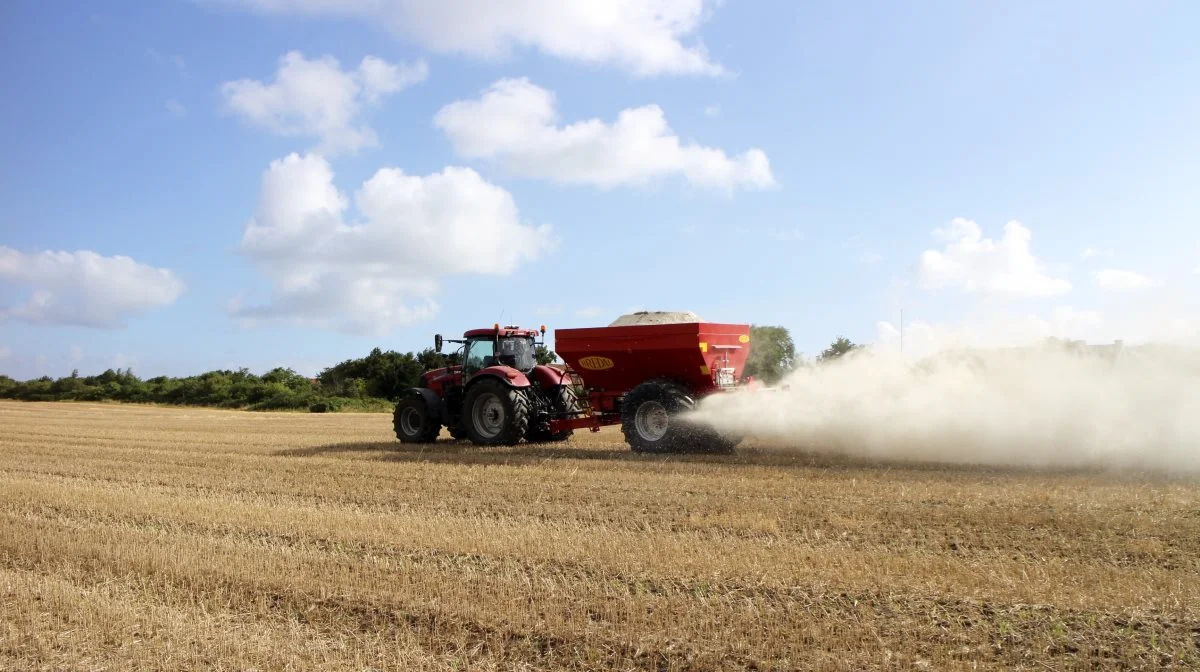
(432, 401)
(508, 375)
(549, 377)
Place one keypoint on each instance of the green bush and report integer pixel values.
(362, 385)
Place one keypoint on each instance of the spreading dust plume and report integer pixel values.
(1043, 406)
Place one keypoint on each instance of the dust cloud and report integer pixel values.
(1044, 406)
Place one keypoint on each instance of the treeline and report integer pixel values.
(373, 382)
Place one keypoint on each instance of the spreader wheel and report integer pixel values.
(651, 422)
(649, 417)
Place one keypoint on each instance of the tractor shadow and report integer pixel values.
(451, 452)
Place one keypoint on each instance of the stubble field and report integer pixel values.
(152, 538)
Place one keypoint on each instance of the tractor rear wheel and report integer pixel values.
(413, 421)
(563, 400)
(495, 414)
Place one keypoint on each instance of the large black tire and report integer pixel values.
(649, 417)
(413, 421)
(495, 414)
(651, 422)
(562, 400)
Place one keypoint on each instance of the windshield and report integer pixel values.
(517, 353)
(510, 351)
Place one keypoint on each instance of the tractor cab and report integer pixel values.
(482, 349)
(493, 349)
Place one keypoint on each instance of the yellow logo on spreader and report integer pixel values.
(596, 363)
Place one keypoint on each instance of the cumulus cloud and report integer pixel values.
(317, 98)
(176, 108)
(84, 288)
(382, 270)
(514, 123)
(974, 264)
(1120, 279)
(1091, 252)
(643, 37)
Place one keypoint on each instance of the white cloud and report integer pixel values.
(84, 288)
(382, 271)
(1119, 279)
(176, 108)
(316, 98)
(514, 123)
(975, 264)
(1091, 252)
(712, 111)
(644, 37)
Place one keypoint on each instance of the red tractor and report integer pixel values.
(499, 395)
(643, 375)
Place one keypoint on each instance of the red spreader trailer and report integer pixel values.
(645, 376)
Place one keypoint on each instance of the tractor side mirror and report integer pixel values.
(437, 343)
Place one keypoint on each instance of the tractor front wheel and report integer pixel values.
(413, 421)
(495, 414)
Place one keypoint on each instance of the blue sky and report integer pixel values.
(819, 166)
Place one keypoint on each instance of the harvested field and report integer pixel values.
(152, 538)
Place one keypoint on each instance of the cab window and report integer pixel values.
(481, 353)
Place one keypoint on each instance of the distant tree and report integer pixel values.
(355, 387)
(544, 355)
(431, 359)
(772, 354)
(840, 347)
(8, 387)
